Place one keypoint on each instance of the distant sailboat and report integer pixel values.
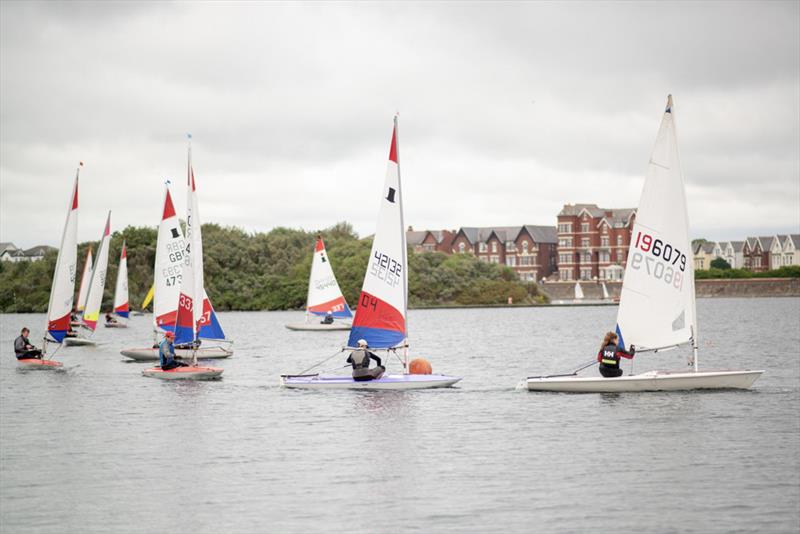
(169, 264)
(62, 292)
(324, 296)
(84, 287)
(381, 312)
(195, 317)
(657, 303)
(605, 292)
(121, 291)
(94, 296)
(578, 291)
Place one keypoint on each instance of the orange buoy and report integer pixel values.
(419, 366)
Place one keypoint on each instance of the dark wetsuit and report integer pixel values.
(24, 350)
(609, 360)
(166, 355)
(360, 361)
(327, 320)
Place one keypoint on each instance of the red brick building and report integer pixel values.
(430, 240)
(593, 242)
(530, 250)
(756, 253)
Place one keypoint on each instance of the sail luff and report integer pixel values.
(62, 292)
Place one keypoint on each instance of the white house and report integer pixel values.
(791, 250)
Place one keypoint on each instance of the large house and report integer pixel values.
(528, 249)
(593, 242)
(757, 254)
(706, 252)
(430, 240)
(10, 252)
(732, 253)
(791, 250)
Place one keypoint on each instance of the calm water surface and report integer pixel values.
(99, 448)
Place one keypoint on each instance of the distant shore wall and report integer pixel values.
(728, 287)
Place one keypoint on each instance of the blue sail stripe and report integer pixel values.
(378, 338)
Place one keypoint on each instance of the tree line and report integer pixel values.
(269, 271)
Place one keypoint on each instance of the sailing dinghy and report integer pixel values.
(94, 297)
(169, 264)
(190, 320)
(84, 287)
(121, 291)
(657, 303)
(324, 296)
(146, 302)
(62, 293)
(380, 317)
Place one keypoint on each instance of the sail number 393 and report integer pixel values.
(386, 269)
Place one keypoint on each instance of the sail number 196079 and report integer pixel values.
(669, 262)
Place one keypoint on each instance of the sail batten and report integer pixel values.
(380, 317)
(657, 301)
(62, 292)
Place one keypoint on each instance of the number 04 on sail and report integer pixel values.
(657, 304)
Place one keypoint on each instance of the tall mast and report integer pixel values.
(403, 241)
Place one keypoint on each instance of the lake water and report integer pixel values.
(99, 448)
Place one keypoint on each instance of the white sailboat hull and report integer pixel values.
(319, 327)
(78, 342)
(649, 381)
(184, 373)
(203, 353)
(386, 382)
(116, 325)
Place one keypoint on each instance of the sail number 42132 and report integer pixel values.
(386, 268)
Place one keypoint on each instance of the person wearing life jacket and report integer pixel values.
(166, 353)
(23, 348)
(609, 356)
(328, 318)
(110, 319)
(360, 358)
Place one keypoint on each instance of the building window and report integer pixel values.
(494, 246)
(462, 247)
(510, 246)
(482, 247)
(565, 275)
(494, 259)
(565, 228)
(427, 248)
(605, 228)
(565, 242)
(524, 247)
(586, 257)
(511, 261)
(564, 258)
(584, 227)
(585, 242)
(604, 241)
(586, 274)
(619, 240)
(604, 257)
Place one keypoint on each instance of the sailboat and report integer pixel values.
(94, 296)
(169, 264)
(192, 319)
(62, 292)
(657, 303)
(324, 295)
(84, 287)
(578, 291)
(146, 302)
(121, 291)
(380, 317)
(605, 292)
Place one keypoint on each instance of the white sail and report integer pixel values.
(324, 294)
(170, 259)
(578, 291)
(605, 292)
(121, 289)
(657, 304)
(84, 287)
(62, 292)
(381, 312)
(97, 284)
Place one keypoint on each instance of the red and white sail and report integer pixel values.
(121, 289)
(381, 310)
(194, 321)
(324, 294)
(62, 293)
(170, 260)
(84, 287)
(97, 284)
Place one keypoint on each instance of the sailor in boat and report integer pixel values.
(110, 319)
(23, 348)
(610, 354)
(328, 318)
(166, 353)
(360, 358)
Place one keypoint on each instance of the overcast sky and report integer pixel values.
(507, 111)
